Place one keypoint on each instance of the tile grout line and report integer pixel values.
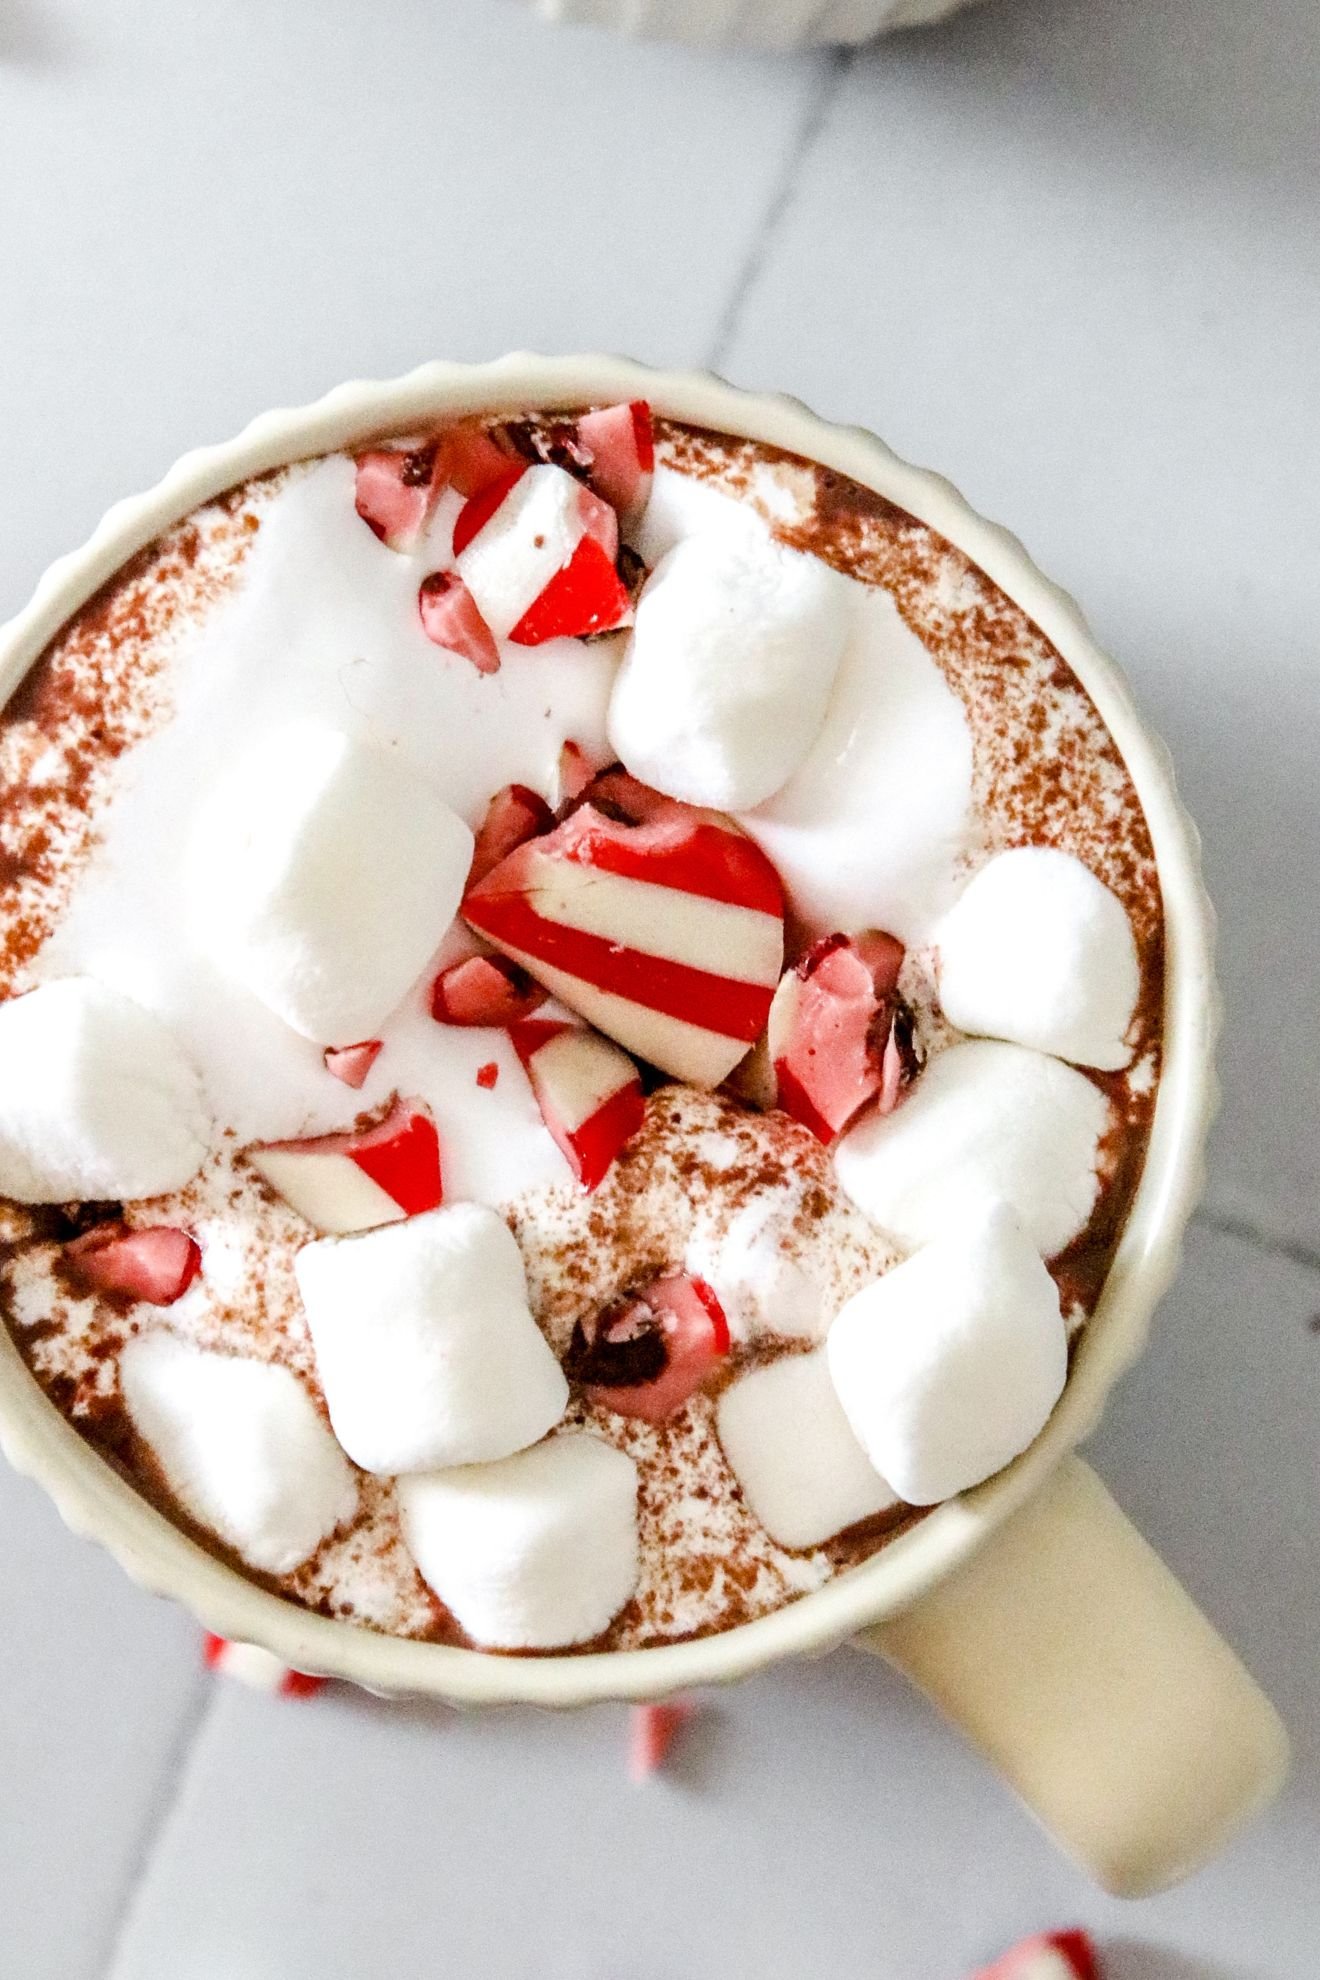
(1248, 1230)
(838, 64)
(174, 1777)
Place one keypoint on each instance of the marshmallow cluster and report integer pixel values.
(727, 678)
(537, 1552)
(325, 873)
(1038, 951)
(949, 1366)
(985, 1122)
(425, 1345)
(97, 1102)
(789, 1444)
(241, 1446)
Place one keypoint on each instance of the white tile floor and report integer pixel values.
(1065, 250)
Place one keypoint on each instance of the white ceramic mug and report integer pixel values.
(1029, 1609)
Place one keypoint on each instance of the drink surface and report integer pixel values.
(954, 733)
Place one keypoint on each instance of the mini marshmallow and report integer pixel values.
(762, 1287)
(242, 1448)
(97, 1102)
(726, 680)
(534, 1553)
(1038, 951)
(949, 1365)
(326, 873)
(425, 1344)
(984, 1122)
(789, 1444)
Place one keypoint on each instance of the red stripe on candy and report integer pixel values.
(695, 996)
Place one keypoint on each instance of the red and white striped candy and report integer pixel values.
(536, 549)
(573, 775)
(356, 1181)
(396, 490)
(156, 1265)
(667, 935)
(350, 1064)
(471, 457)
(261, 1669)
(1047, 1956)
(620, 442)
(695, 1335)
(513, 816)
(589, 1093)
(652, 1730)
(450, 618)
(828, 1029)
(484, 990)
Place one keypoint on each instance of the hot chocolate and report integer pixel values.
(593, 1023)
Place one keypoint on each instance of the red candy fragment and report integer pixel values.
(659, 924)
(829, 1030)
(513, 816)
(484, 990)
(156, 1265)
(396, 490)
(693, 1336)
(488, 1074)
(1047, 1956)
(620, 443)
(359, 1180)
(471, 457)
(589, 1092)
(587, 596)
(352, 1063)
(450, 618)
(575, 774)
(258, 1668)
(652, 1730)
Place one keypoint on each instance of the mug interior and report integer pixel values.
(95, 1501)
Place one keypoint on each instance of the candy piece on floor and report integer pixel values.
(588, 1091)
(1046, 1956)
(652, 1730)
(661, 925)
(351, 1063)
(261, 1669)
(156, 1265)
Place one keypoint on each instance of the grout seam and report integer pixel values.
(1249, 1230)
(834, 73)
(175, 1769)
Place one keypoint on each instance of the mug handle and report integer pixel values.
(1069, 1655)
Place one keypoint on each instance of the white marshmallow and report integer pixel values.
(242, 1448)
(97, 1102)
(984, 1122)
(326, 873)
(1037, 950)
(534, 1553)
(726, 680)
(949, 1366)
(762, 1287)
(425, 1344)
(789, 1444)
